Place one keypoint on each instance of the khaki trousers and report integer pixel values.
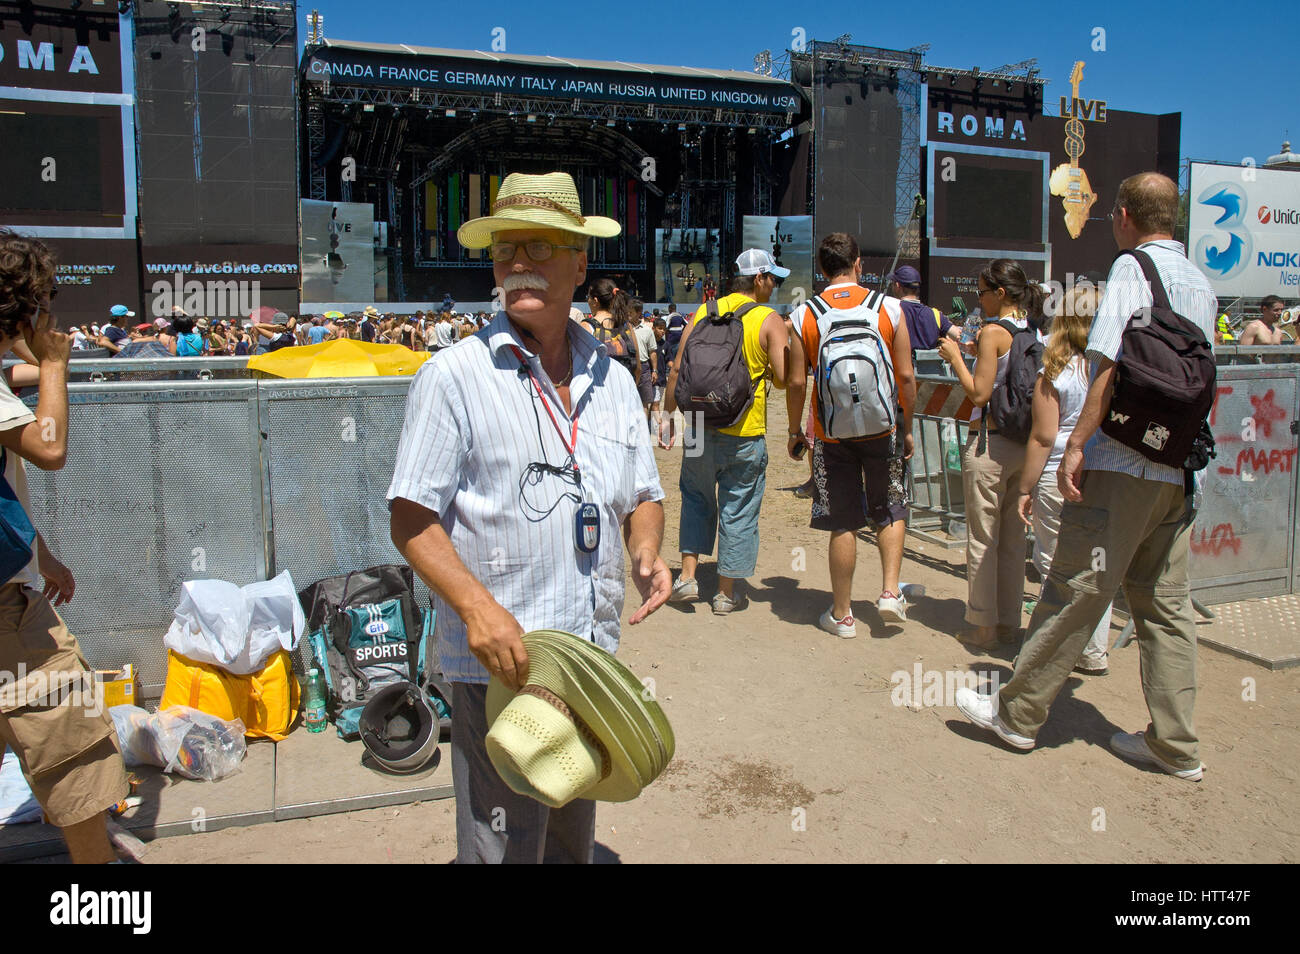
(995, 535)
(1130, 532)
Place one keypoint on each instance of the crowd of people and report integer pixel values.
(183, 335)
(495, 478)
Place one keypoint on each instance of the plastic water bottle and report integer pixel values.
(974, 321)
(951, 446)
(313, 702)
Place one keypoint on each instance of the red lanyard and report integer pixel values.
(570, 445)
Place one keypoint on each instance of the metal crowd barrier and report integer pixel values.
(1260, 354)
(232, 480)
(240, 479)
(160, 369)
(1245, 541)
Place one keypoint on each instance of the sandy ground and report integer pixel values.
(790, 746)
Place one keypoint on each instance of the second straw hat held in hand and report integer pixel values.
(583, 727)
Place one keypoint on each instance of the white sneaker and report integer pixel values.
(1134, 748)
(844, 628)
(684, 589)
(982, 711)
(892, 608)
(723, 604)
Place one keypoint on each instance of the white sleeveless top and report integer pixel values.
(1072, 388)
(1004, 359)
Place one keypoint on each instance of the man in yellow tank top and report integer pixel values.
(724, 470)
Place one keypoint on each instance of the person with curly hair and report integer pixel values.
(65, 742)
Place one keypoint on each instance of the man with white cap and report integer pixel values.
(725, 469)
(523, 460)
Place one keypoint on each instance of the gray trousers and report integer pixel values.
(493, 823)
(1126, 532)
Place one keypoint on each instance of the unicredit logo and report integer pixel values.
(1278, 216)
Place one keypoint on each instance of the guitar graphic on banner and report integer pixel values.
(1068, 180)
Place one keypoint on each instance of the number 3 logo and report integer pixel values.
(1224, 261)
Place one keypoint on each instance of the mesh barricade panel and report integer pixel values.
(330, 450)
(160, 487)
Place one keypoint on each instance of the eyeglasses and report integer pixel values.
(538, 250)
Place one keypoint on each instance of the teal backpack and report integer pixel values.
(368, 633)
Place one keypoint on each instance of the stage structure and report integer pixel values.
(218, 155)
(1004, 180)
(864, 167)
(425, 136)
(67, 160)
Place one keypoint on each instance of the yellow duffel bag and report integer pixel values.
(265, 701)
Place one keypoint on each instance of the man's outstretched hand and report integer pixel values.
(653, 579)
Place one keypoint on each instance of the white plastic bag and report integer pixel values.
(236, 628)
(181, 740)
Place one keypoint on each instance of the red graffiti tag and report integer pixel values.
(1219, 392)
(1266, 460)
(1266, 412)
(1221, 538)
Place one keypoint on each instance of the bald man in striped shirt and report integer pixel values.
(1126, 522)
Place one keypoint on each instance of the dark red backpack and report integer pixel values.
(1164, 380)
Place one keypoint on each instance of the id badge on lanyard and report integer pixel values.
(586, 519)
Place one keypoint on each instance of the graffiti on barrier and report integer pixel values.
(1221, 538)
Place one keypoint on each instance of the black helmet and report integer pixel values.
(399, 727)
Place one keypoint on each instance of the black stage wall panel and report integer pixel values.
(217, 144)
(859, 135)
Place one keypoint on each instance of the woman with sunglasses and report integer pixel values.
(995, 536)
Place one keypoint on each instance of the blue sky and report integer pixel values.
(1230, 69)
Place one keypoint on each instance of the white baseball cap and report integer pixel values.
(755, 261)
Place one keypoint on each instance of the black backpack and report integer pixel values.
(713, 379)
(620, 346)
(1012, 404)
(1164, 382)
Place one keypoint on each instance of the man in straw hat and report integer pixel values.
(523, 456)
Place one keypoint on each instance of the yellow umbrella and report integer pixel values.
(341, 358)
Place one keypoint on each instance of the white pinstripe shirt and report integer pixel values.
(1190, 295)
(472, 428)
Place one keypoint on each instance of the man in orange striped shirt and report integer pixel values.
(841, 469)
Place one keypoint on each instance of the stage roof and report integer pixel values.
(545, 77)
(479, 55)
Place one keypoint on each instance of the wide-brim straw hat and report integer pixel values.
(531, 202)
(582, 727)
